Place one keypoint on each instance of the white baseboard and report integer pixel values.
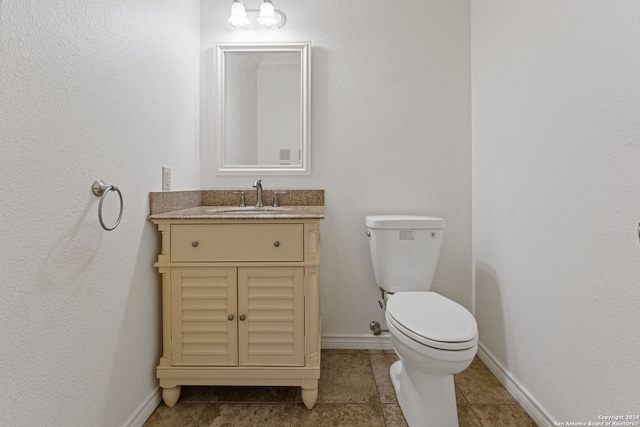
(144, 411)
(517, 390)
(357, 342)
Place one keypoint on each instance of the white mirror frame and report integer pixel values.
(304, 168)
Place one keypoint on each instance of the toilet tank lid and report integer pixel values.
(412, 222)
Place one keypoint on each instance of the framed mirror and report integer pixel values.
(262, 109)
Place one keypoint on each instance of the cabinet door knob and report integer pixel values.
(276, 243)
(230, 317)
(242, 317)
(194, 244)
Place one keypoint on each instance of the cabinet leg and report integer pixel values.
(310, 396)
(171, 396)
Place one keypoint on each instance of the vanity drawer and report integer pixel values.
(237, 242)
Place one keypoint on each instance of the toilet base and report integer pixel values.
(426, 400)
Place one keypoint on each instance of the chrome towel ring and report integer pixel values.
(100, 189)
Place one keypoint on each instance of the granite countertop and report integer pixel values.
(248, 213)
(223, 204)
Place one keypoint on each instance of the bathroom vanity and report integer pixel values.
(240, 303)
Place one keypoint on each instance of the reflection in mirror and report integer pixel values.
(262, 108)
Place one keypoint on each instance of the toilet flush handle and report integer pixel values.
(369, 232)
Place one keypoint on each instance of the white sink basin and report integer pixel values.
(250, 210)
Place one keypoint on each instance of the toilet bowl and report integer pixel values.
(435, 338)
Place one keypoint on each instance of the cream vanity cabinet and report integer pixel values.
(240, 304)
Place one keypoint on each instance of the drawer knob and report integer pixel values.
(230, 317)
(242, 317)
(276, 243)
(194, 244)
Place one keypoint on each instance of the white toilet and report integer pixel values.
(433, 336)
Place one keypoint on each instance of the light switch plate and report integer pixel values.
(166, 179)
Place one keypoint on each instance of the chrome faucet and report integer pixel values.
(258, 187)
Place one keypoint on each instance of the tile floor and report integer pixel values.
(354, 390)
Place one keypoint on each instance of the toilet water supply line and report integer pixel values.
(374, 325)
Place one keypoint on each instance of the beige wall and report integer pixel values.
(88, 90)
(556, 149)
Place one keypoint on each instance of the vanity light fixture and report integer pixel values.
(267, 17)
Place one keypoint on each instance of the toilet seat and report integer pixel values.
(432, 320)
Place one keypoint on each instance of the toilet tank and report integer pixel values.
(404, 250)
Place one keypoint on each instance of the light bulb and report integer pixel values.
(267, 14)
(238, 14)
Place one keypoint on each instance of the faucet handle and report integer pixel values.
(242, 200)
(276, 202)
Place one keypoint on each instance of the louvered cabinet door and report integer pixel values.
(271, 316)
(203, 319)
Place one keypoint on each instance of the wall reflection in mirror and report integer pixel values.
(262, 108)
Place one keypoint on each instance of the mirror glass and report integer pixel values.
(262, 111)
